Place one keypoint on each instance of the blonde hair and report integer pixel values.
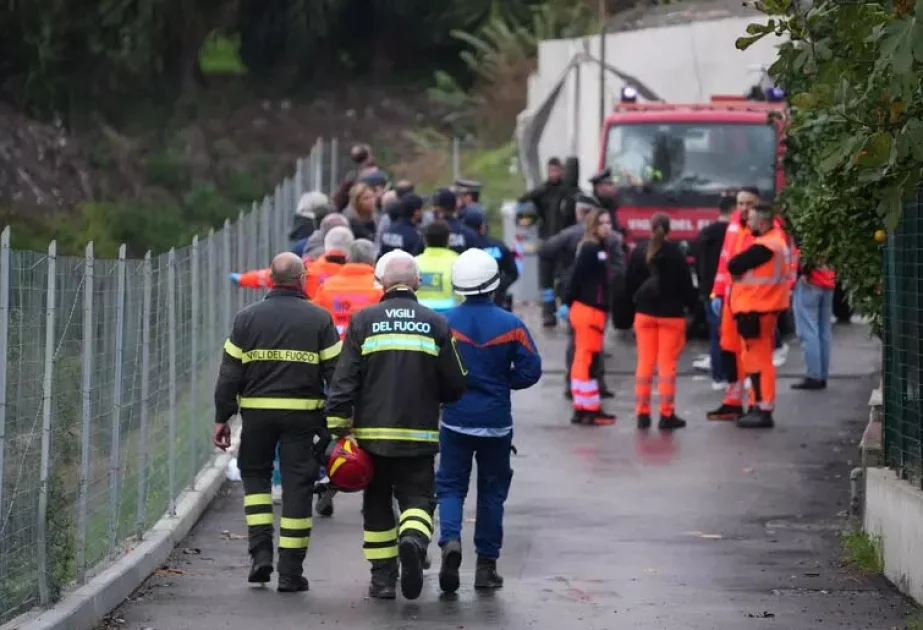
(356, 192)
(660, 227)
(591, 225)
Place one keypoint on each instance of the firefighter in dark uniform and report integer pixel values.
(399, 364)
(509, 272)
(280, 354)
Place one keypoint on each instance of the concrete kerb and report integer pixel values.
(84, 607)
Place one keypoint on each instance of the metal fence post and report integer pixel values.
(116, 420)
(86, 414)
(276, 233)
(145, 392)
(318, 154)
(254, 220)
(194, 419)
(241, 261)
(45, 466)
(299, 179)
(226, 264)
(334, 154)
(4, 345)
(171, 350)
(456, 158)
(211, 304)
(265, 229)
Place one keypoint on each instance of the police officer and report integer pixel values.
(461, 237)
(605, 191)
(402, 233)
(399, 364)
(280, 353)
(556, 258)
(435, 266)
(509, 271)
(468, 192)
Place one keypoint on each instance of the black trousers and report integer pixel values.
(294, 432)
(410, 480)
(597, 368)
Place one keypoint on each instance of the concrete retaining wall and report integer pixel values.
(894, 512)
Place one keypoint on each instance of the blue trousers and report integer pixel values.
(813, 308)
(714, 347)
(492, 454)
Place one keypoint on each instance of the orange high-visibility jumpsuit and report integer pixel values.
(348, 292)
(660, 342)
(260, 278)
(589, 325)
(765, 290)
(327, 266)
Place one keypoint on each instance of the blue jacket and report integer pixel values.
(401, 234)
(500, 355)
(461, 237)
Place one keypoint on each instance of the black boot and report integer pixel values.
(451, 561)
(261, 566)
(549, 314)
(668, 423)
(756, 419)
(605, 392)
(486, 576)
(324, 506)
(410, 550)
(726, 412)
(291, 571)
(810, 384)
(644, 421)
(292, 584)
(384, 579)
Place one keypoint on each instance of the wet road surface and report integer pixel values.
(713, 528)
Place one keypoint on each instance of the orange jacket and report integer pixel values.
(259, 278)
(348, 292)
(737, 238)
(768, 288)
(327, 266)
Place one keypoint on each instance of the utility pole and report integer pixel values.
(602, 62)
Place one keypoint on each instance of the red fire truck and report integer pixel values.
(679, 158)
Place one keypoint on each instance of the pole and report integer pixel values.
(171, 350)
(44, 587)
(4, 350)
(196, 415)
(86, 416)
(115, 427)
(602, 62)
(147, 280)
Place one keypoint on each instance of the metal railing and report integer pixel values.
(105, 390)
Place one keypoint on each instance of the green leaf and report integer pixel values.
(743, 43)
(918, 36)
(805, 100)
(838, 153)
(912, 134)
(891, 207)
(897, 45)
(757, 29)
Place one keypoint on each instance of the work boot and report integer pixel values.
(810, 384)
(451, 560)
(260, 567)
(568, 395)
(324, 506)
(384, 579)
(410, 550)
(486, 576)
(668, 423)
(726, 412)
(644, 421)
(427, 563)
(756, 419)
(601, 418)
(605, 392)
(292, 584)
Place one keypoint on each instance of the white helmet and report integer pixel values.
(383, 261)
(475, 272)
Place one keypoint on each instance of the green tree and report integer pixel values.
(855, 134)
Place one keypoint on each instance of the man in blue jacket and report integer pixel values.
(501, 356)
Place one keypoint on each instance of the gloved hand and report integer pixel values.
(322, 443)
(716, 306)
(235, 278)
(564, 312)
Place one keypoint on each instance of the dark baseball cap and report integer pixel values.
(445, 199)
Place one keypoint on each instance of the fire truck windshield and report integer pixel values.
(687, 162)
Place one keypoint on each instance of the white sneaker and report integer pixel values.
(277, 494)
(703, 363)
(780, 356)
(719, 386)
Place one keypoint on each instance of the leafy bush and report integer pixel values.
(855, 147)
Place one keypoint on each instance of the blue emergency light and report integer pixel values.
(629, 94)
(775, 94)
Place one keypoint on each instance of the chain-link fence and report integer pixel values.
(105, 393)
(903, 337)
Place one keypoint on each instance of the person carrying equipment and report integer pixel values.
(501, 356)
(586, 297)
(761, 290)
(399, 365)
(556, 260)
(476, 219)
(336, 244)
(279, 354)
(435, 265)
(660, 284)
(353, 288)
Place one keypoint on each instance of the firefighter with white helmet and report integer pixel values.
(501, 356)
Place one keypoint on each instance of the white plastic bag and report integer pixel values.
(232, 472)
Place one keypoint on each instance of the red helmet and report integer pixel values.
(349, 468)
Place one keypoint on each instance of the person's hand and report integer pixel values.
(235, 278)
(716, 306)
(321, 444)
(221, 436)
(563, 312)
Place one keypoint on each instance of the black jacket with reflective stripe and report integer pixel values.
(280, 353)
(399, 364)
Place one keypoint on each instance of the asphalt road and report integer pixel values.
(713, 528)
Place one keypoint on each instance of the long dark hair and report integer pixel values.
(660, 227)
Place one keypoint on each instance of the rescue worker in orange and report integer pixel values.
(353, 288)
(736, 239)
(336, 244)
(761, 276)
(586, 303)
(659, 282)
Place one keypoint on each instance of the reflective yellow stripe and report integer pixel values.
(384, 553)
(296, 523)
(458, 356)
(259, 519)
(423, 515)
(337, 422)
(289, 356)
(398, 435)
(232, 350)
(294, 542)
(379, 537)
(294, 404)
(417, 525)
(332, 352)
(410, 343)
(257, 499)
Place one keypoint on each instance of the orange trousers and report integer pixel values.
(660, 342)
(589, 326)
(757, 360)
(730, 341)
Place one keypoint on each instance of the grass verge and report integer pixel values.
(862, 552)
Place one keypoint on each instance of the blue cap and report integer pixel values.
(375, 178)
(410, 203)
(474, 216)
(445, 199)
